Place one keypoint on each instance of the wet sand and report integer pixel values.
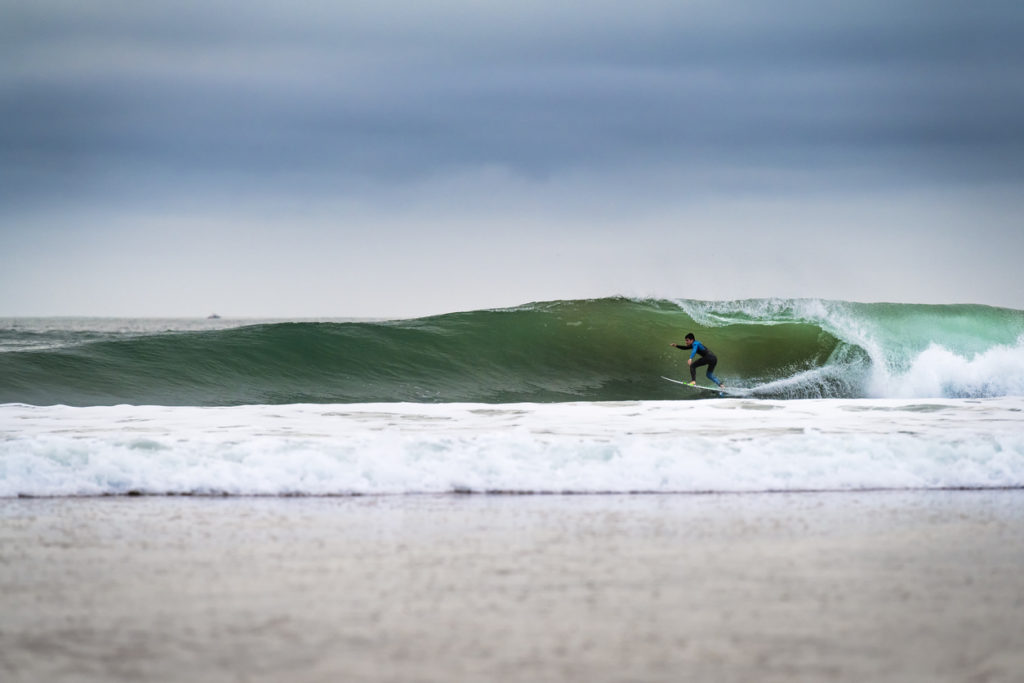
(908, 586)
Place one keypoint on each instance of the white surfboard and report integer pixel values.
(717, 390)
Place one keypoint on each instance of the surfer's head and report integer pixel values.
(689, 337)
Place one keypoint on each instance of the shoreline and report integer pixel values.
(510, 493)
(879, 585)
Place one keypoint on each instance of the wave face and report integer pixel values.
(592, 350)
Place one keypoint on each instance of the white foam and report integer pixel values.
(938, 371)
(722, 445)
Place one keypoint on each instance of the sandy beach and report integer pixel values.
(883, 586)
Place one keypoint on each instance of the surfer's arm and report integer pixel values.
(690, 348)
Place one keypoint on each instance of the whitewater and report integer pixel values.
(733, 445)
(551, 397)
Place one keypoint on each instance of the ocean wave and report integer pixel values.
(593, 350)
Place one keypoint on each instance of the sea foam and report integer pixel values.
(732, 445)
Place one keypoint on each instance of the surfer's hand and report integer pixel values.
(689, 361)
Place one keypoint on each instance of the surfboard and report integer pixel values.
(716, 390)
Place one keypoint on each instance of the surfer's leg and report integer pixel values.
(711, 371)
(693, 367)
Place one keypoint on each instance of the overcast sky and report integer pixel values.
(339, 158)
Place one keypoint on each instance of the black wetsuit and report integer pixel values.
(707, 357)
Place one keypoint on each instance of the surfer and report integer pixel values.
(707, 357)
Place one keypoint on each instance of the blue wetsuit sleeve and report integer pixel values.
(696, 345)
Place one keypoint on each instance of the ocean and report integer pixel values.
(550, 397)
(516, 495)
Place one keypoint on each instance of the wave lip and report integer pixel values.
(733, 445)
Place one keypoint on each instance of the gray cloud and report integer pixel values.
(394, 91)
(568, 112)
